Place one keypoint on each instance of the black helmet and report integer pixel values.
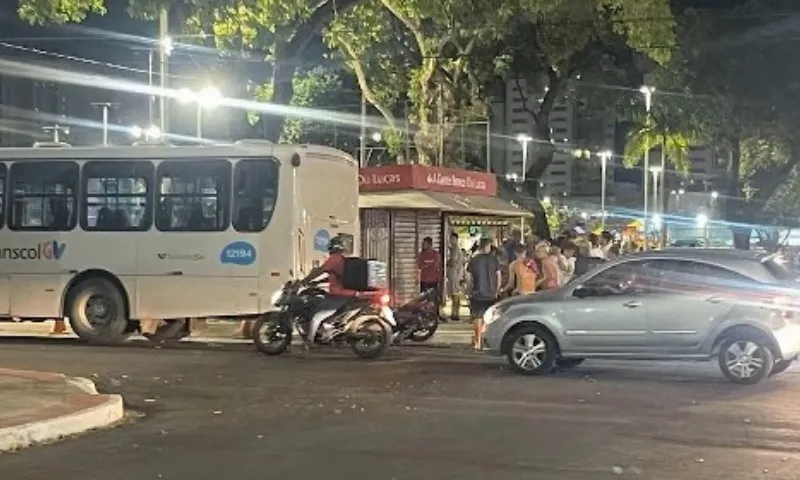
(336, 244)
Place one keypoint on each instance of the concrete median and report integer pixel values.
(41, 407)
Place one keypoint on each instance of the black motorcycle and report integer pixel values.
(417, 319)
(363, 323)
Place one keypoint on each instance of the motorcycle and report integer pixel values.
(417, 319)
(366, 324)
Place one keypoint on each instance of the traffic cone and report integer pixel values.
(59, 327)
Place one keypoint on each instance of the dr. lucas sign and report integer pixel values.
(417, 177)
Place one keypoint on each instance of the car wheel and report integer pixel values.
(531, 350)
(780, 366)
(745, 359)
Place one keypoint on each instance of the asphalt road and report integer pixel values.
(226, 412)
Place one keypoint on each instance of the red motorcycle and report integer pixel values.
(418, 318)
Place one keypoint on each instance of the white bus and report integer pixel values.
(109, 236)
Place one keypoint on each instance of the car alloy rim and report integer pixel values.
(744, 359)
(529, 351)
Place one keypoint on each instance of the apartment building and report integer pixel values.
(567, 175)
(511, 118)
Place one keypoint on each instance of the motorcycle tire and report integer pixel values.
(386, 338)
(430, 324)
(266, 326)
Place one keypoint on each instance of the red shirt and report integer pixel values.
(334, 267)
(430, 266)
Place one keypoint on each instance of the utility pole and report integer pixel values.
(163, 35)
(362, 146)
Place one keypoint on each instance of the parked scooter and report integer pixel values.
(417, 319)
(365, 323)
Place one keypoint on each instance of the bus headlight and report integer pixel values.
(275, 298)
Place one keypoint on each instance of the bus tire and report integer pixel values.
(96, 311)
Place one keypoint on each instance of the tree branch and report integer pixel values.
(324, 12)
(412, 25)
(363, 84)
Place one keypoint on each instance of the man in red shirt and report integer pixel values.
(431, 272)
(334, 267)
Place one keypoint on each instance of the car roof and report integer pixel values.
(708, 254)
(746, 262)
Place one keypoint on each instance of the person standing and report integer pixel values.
(550, 274)
(521, 274)
(431, 272)
(484, 285)
(456, 264)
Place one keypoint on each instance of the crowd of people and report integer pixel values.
(494, 270)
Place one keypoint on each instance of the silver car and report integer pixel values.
(683, 304)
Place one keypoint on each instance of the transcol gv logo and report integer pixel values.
(50, 250)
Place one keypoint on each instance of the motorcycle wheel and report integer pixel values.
(272, 334)
(430, 323)
(381, 339)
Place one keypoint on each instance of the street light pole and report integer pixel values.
(524, 139)
(106, 106)
(604, 158)
(165, 46)
(362, 146)
(150, 110)
(199, 120)
(488, 146)
(647, 91)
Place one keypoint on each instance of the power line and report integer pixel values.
(88, 61)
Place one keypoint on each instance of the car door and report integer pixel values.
(691, 297)
(607, 313)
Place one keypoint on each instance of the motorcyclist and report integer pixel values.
(338, 294)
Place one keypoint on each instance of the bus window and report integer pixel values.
(43, 195)
(3, 174)
(116, 196)
(193, 196)
(256, 189)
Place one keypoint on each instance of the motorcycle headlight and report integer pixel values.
(491, 315)
(275, 298)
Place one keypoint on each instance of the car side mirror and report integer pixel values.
(582, 292)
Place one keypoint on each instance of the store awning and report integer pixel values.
(443, 202)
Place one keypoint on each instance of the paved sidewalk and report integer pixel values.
(37, 407)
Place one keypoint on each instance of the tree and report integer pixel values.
(417, 59)
(742, 96)
(282, 30)
(549, 47)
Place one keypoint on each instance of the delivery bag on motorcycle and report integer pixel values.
(364, 274)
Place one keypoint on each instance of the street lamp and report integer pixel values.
(524, 140)
(377, 137)
(209, 97)
(647, 91)
(714, 195)
(546, 200)
(150, 133)
(605, 156)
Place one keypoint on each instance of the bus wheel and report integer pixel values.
(169, 330)
(96, 311)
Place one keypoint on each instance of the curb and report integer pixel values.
(88, 411)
